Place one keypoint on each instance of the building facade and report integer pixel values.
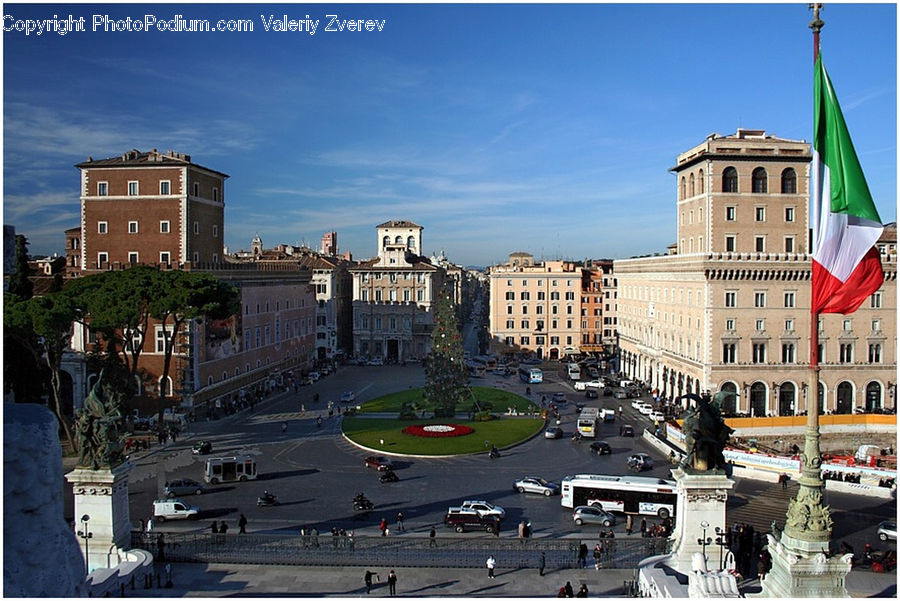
(393, 295)
(598, 307)
(535, 308)
(729, 310)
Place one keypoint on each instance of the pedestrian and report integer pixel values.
(582, 555)
(491, 562)
(629, 523)
(368, 580)
(383, 527)
(168, 570)
(150, 524)
(223, 528)
(568, 589)
(598, 554)
(242, 524)
(522, 529)
(431, 537)
(643, 526)
(143, 525)
(392, 583)
(583, 591)
(400, 527)
(542, 563)
(214, 528)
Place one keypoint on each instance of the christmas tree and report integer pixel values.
(446, 375)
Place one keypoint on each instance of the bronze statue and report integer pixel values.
(705, 433)
(98, 428)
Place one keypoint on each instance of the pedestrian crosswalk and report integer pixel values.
(760, 509)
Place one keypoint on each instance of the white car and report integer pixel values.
(536, 485)
(645, 409)
(579, 385)
(594, 384)
(376, 361)
(636, 402)
(173, 509)
(483, 508)
(657, 416)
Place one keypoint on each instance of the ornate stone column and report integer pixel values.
(701, 500)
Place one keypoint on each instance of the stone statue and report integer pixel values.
(98, 429)
(705, 433)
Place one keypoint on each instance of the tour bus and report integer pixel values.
(624, 494)
(574, 371)
(530, 375)
(587, 421)
(230, 469)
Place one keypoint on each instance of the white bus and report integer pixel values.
(587, 421)
(574, 371)
(624, 494)
(530, 375)
(230, 469)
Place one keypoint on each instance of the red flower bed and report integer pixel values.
(438, 430)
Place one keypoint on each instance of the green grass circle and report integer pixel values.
(507, 430)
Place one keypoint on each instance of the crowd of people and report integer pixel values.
(841, 476)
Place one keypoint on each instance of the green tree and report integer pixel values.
(19, 284)
(183, 295)
(447, 379)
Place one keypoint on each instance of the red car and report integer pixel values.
(381, 463)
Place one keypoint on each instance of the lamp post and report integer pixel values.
(86, 535)
(722, 542)
(704, 540)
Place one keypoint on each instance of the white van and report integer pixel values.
(230, 469)
(174, 509)
(625, 383)
(574, 371)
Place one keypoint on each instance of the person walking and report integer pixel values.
(150, 524)
(582, 555)
(400, 527)
(629, 523)
(432, 542)
(383, 527)
(223, 528)
(242, 524)
(542, 563)
(368, 580)
(392, 583)
(598, 554)
(643, 526)
(214, 528)
(491, 562)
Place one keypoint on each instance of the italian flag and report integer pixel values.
(846, 265)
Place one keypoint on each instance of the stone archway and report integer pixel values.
(844, 400)
(554, 354)
(787, 395)
(758, 400)
(730, 404)
(873, 397)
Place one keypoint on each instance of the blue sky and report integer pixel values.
(498, 128)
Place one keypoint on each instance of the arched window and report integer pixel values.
(411, 243)
(758, 400)
(700, 180)
(788, 181)
(873, 397)
(385, 241)
(844, 398)
(760, 181)
(786, 398)
(166, 386)
(729, 180)
(398, 240)
(682, 191)
(729, 405)
(692, 184)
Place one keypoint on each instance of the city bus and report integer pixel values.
(624, 494)
(587, 421)
(574, 371)
(530, 375)
(230, 469)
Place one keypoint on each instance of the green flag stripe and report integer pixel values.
(849, 191)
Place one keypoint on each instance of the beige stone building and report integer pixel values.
(729, 309)
(535, 308)
(393, 294)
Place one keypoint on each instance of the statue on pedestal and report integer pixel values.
(98, 429)
(705, 433)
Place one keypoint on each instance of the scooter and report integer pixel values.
(388, 476)
(576, 437)
(361, 503)
(494, 453)
(266, 500)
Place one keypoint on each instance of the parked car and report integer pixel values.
(645, 408)
(594, 384)
(479, 507)
(626, 430)
(185, 486)
(348, 397)
(657, 416)
(607, 391)
(553, 432)
(887, 530)
(376, 361)
(463, 521)
(634, 393)
(202, 447)
(587, 514)
(601, 448)
(379, 462)
(173, 509)
(640, 462)
(591, 393)
(536, 485)
(620, 394)
(559, 397)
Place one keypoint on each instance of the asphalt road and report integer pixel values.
(315, 472)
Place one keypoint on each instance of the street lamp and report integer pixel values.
(86, 535)
(722, 542)
(704, 540)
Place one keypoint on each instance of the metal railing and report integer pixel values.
(396, 551)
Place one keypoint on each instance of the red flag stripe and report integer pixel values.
(831, 295)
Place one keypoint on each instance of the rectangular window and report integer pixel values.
(268, 335)
(164, 227)
(407, 295)
(420, 295)
(875, 353)
(247, 339)
(510, 324)
(132, 188)
(196, 227)
(729, 324)
(787, 353)
(365, 296)
(876, 325)
(132, 257)
(729, 213)
(165, 187)
(132, 227)
(760, 213)
(759, 352)
(730, 244)
(215, 231)
(788, 325)
(216, 194)
(102, 260)
(848, 325)
(875, 300)
(790, 298)
(102, 189)
(731, 298)
(102, 227)
(163, 335)
(760, 244)
(258, 337)
(510, 341)
(759, 299)
(760, 325)
(378, 296)
(846, 353)
(196, 257)
(788, 244)
(729, 353)
(789, 214)
(525, 324)
(164, 258)
(196, 189)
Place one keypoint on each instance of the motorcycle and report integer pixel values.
(494, 453)
(266, 500)
(361, 503)
(576, 437)
(388, 476)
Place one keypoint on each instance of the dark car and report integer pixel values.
(472, 521)
(382, 463)
(601, 448)
(626, 430)
(553, 432)
(185, 486)
(640, 462)
(202, 447)
(607, 391)
(591, 393)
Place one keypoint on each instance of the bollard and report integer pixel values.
(132, 581)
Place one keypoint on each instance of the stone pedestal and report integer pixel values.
(701, 499)
(804, 569)
(103, 496)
